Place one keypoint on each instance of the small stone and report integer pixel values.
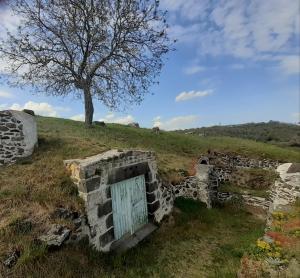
(268, 239)
(55, 236)
(77, 222)
(3, 128)
(136, 125)
(12, 259)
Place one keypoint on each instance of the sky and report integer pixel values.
(236, 61)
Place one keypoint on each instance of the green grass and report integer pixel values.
(31, 189)
(228, 187)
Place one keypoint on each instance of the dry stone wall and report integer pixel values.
(18, 135)
(285, 190)
(202, 186)
(94, 177)
(225, 164)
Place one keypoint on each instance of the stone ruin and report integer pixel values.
(97, 177)
(18, 135)
(102, 179)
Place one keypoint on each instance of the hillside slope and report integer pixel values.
(272, 132)
(31, 190)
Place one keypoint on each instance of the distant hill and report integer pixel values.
(271, 132)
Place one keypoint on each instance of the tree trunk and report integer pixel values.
(89, 107)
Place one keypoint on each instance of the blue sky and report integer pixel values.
(236, 61)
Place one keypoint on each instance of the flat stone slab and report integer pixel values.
(126, 243)
(55, 236)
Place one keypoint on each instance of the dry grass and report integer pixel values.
(195, 242)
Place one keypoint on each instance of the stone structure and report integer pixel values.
(18, 135)
(287, 188)
(202, 186)
(134, 124)
(226, 163)
(95, 176)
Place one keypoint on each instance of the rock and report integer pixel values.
(77, 222)
(268, 239)
(28, 111)
(65, 213)
(136, 125)
(99, 123)
(12, 259)
(55, 236)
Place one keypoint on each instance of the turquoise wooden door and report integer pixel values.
(129, 205)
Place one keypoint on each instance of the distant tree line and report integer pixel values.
(270, 132)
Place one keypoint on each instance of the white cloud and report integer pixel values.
(112, 118)
(237, 66)
(4, 94)
(8, 21)
(42, 108)
(193, 69)
(296, 116)
(189, 9)
(79, 117)
(180, 122)
(183, 34)
(290, 64)
(192, 94)
(239, 28)
(3, 106)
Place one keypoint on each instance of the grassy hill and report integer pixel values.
(194, 242)
(271, 132)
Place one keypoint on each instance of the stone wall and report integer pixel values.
(200, 187)
(286, 189)
(18, 135)
(94, 177)
(226, 163)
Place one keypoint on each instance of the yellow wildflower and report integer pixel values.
(263, 245)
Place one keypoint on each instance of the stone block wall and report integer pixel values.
(94, 177)
(18, 135)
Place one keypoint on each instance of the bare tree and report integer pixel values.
(110, 50)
